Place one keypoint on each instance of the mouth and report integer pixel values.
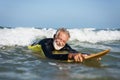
(57, 46)
(60, 45)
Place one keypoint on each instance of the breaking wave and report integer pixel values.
(25, 36)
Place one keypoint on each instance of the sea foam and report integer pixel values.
(26, 36)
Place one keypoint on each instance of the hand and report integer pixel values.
(78, 57)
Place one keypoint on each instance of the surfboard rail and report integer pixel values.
(97, 55)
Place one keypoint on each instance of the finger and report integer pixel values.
(84, 55)
(75, 58)
(80, 58)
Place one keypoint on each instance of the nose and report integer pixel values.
(60, 43)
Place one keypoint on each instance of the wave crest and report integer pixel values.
(26, 36)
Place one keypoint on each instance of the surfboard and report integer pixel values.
(38, 49)
(94, 55)
(98, 54)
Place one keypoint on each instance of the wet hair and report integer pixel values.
(62, 30)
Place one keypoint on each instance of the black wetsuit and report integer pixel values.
(47, 47)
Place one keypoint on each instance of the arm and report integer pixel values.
(69, 49)
(48, 53)
(74, 55)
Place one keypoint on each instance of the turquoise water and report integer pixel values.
(19, 63)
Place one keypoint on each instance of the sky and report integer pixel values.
(60, 13)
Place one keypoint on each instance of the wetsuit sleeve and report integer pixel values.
(47, 48)
(48, 52)
(69, 49)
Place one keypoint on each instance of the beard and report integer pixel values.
(57, 47)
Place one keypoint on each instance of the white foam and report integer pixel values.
(90, 35)
(25, 36)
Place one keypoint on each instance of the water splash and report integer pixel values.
(26, 36)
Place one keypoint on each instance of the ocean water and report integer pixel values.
(19, 63)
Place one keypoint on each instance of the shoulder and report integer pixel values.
(46, 40)
(67, 45)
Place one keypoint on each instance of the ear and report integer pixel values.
(54, 35)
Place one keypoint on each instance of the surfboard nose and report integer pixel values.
(97, 55)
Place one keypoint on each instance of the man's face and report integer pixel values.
(60, 40)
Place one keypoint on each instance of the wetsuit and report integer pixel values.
(47, 47)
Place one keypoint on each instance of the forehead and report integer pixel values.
(63, 35)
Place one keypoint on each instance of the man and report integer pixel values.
(59, 43)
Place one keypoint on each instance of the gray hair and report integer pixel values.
(62, 30)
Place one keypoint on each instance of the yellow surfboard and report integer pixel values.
(97, 55)
(94, 55)
(38, 49)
